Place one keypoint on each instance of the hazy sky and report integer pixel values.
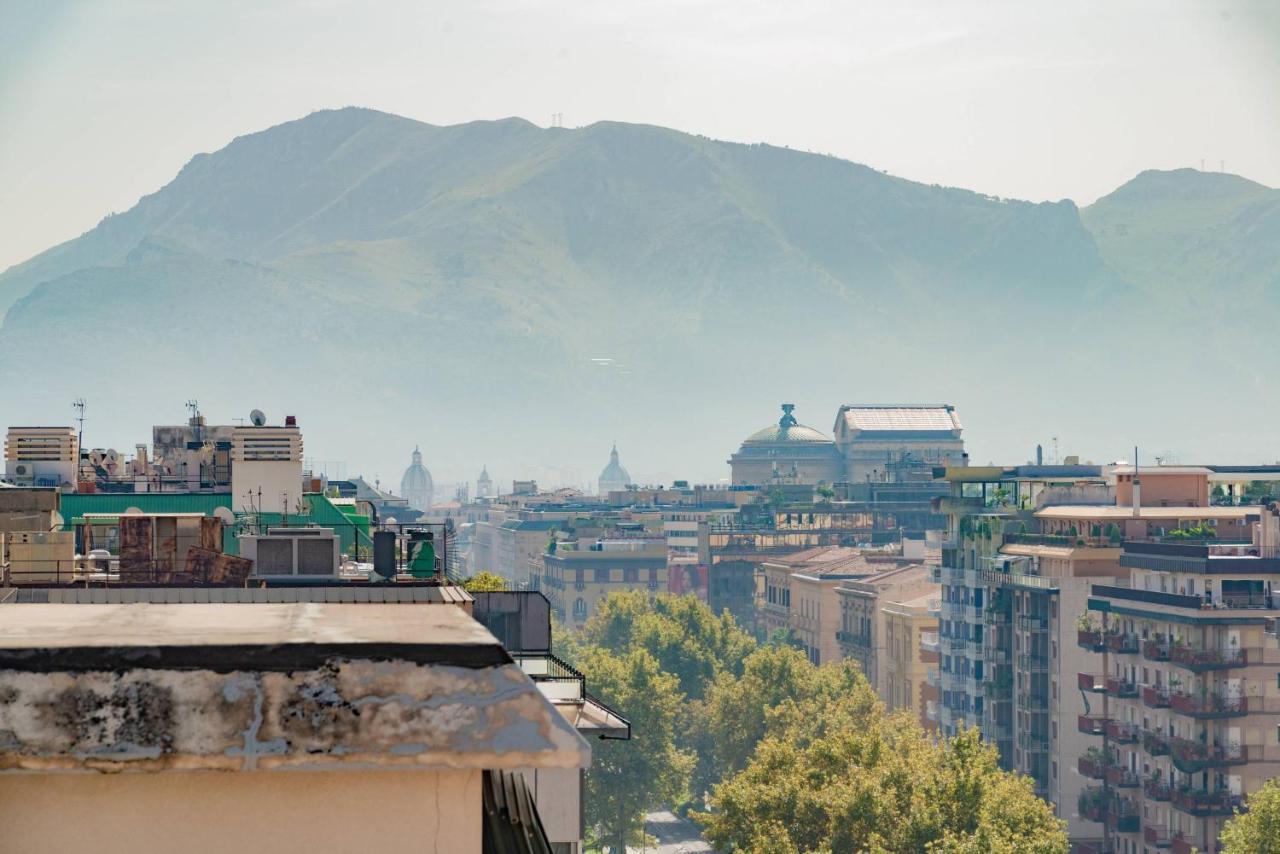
(103, 102)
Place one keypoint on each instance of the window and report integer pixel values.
(579, 609)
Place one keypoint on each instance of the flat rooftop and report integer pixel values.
(233, 636)
(1090, 511)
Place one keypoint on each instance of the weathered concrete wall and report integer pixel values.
(346, 714)
(387, 812)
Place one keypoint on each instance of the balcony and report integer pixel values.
(851, 639)
(1091, 724)
(1033, 743)
(1122, 778)
(1191, 757)
(1033, 663)
(1091, 767)
(1122, 733)
(1123, 642)
(1118, 687)
(1033, 701)
(1122, 816)
(1092, 804)
(1155, 697)
(1156, 835)
(1091, 682)
(1209, 706)
(1030, 623)
(1091, 640)
(1154, 743)
(1181, 844)
(1156, 649)
(1217, 802)
(1201, 660)
(929, 642)
(1157, 790)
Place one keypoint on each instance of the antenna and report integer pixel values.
(78, 406)
(1056, 459)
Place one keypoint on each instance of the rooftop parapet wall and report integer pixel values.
(296, 706)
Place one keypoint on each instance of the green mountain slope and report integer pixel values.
(499, 288)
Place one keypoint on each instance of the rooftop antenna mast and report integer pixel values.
(193, 406)
(78, 406)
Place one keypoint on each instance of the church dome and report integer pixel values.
(786, 430)
(416, 486)
(614, 478)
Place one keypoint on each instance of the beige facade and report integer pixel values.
(861, 634)
(41, 456)
(904, 673)
(577, 576)
(204, 812)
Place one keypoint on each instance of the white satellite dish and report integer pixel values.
(56, 521)
(224, 515)
(257, 418)
(111, 457)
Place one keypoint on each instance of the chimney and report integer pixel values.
(1039, 455)
(1137, 486)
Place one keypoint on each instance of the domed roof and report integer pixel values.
(416, 476)
(614, 474)
(786, 430)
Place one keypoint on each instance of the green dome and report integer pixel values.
(792, 433)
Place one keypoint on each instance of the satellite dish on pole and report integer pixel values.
(257, 418)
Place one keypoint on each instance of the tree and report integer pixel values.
(1258, 830)
(840, 775)
(628, 778)
(484, 582)
(679, 631)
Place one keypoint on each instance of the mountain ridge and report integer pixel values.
(496, 260)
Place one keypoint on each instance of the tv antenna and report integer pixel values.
(78, 406)
(1056, 459)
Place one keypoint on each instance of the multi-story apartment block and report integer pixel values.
(41, 456)
(906, 663)
(577, 574)
(801, 598)
(1185, 683)
(1027, 551)
(863, 634)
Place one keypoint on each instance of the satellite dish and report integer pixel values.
(224, 515)
(257, 418)
(56, 521)
(112, 456)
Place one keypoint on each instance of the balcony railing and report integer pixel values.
(1155, 697)
(1118, 687)
(1121, 732)
(1122, 778)
(1199, 660)
(1157, 790)
(1091, 640)
(1154, 743)
(929, 641)
(1033, 663)
(1122, 816)
(1091, 724)
(1033, 623)
(1209, 706)
(1155, 650)
(1196, 802)
(1033, 742)
(1094, 769)
(1191, 757)
(1180, 844)
(1123, 642)
(1033, 701)
(1156, 835)
(1091, 682)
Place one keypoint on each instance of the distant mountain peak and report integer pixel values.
(1153, 185)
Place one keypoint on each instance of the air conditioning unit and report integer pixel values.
(303, 552)
(23, 470)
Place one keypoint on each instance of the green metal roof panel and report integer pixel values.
(78, 504)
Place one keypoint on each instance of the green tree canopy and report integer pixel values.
(484, 582)
(840, 775)
(628, 778)
(679, 631)
(1258, 830)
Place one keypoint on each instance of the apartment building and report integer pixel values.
(863, 635)
(1186, 698)
(41, 456)
(906, 663)
(577, 574)
(800, 595)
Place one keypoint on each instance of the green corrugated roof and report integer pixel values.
(78, 504)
